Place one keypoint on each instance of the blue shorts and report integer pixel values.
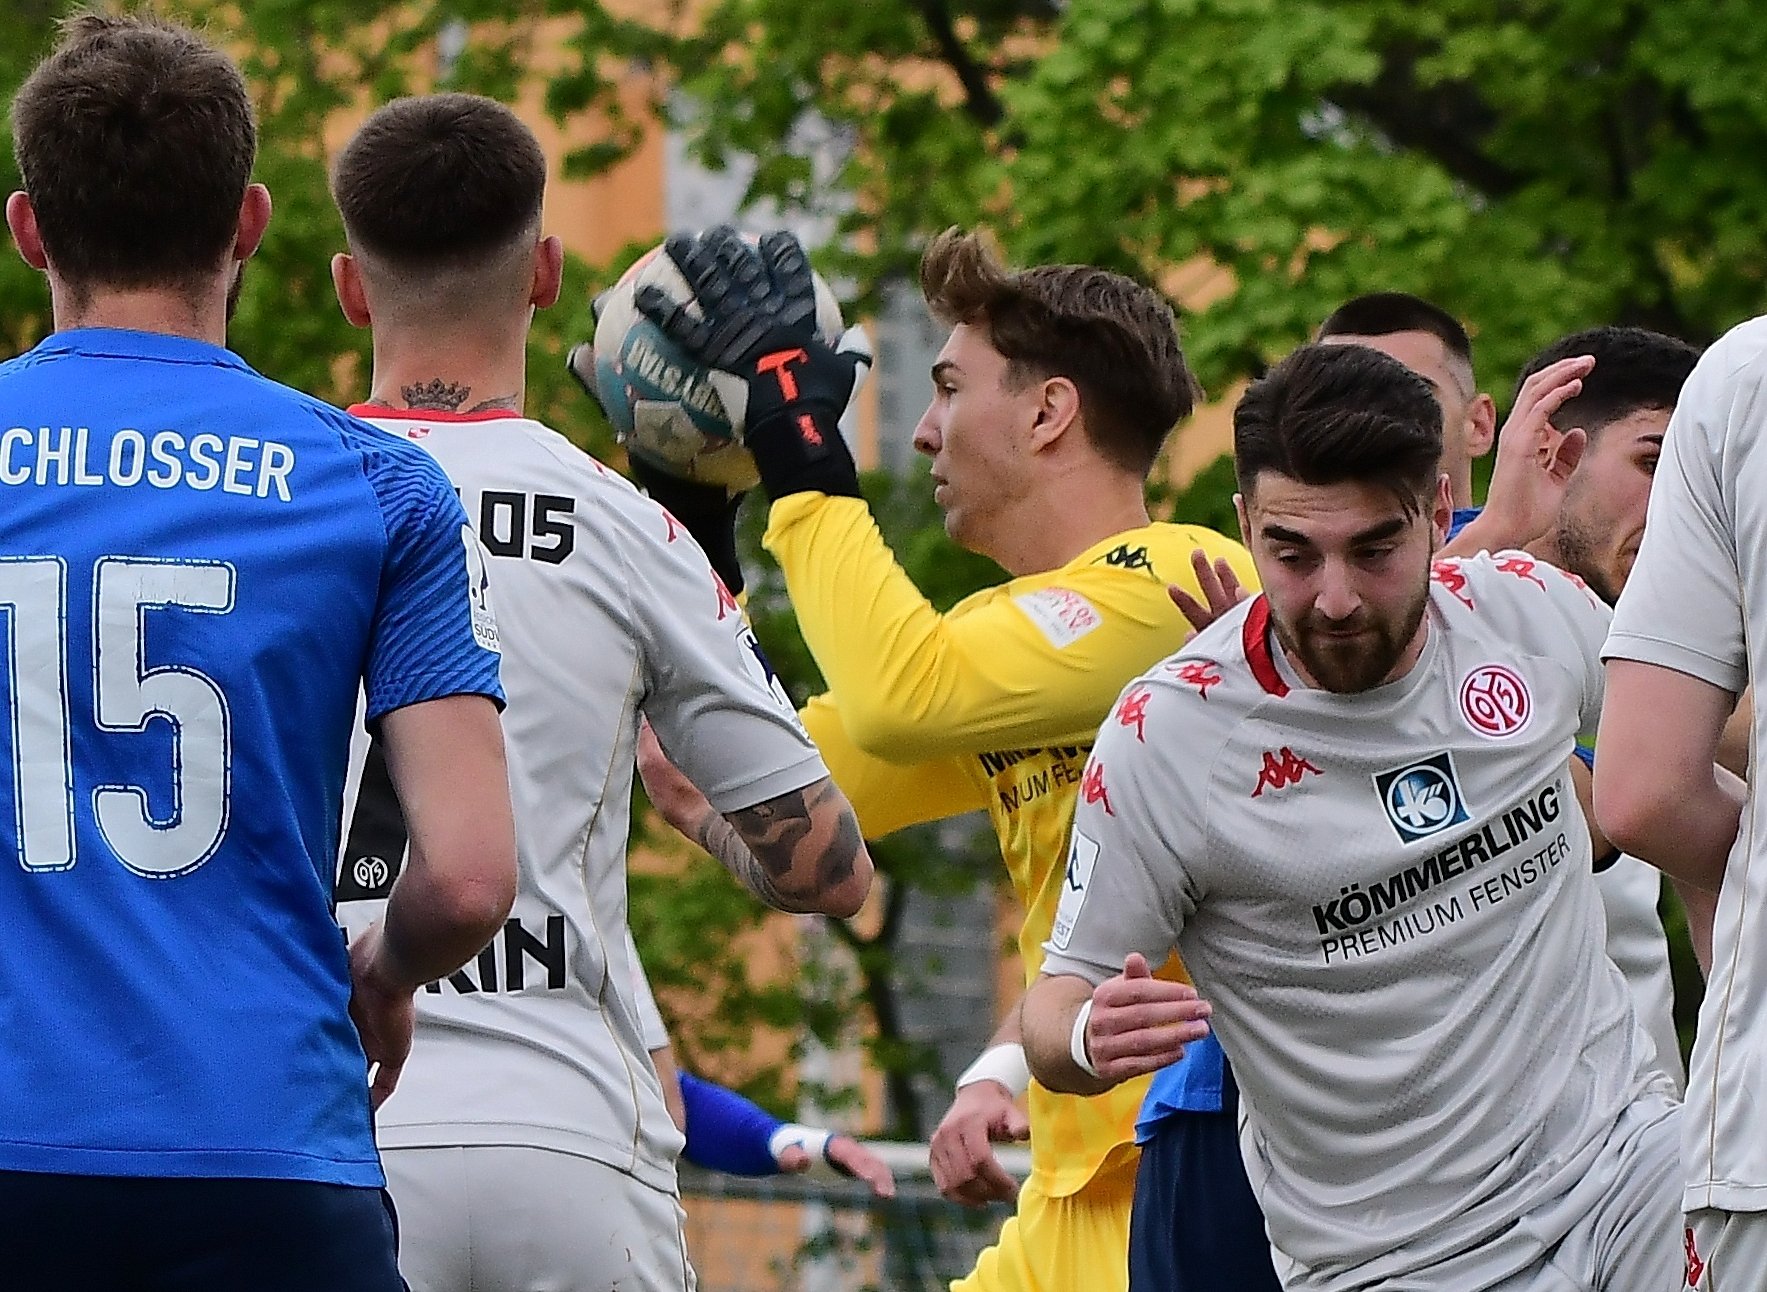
(1196, 1226)
(87, 1233)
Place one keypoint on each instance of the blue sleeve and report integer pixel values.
(1586, 754)
(725, 1132)
(434, 632)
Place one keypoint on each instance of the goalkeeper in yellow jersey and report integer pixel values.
(1052, 399)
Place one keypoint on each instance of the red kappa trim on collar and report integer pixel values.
(1257, 648)
(429, 414)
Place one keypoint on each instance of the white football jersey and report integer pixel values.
(1387, 898)
(1695, 602)
(607, 611)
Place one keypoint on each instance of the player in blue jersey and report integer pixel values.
(199, 572)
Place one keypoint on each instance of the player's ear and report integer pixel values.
(548, 273)
(1442, 510)
(1481, 425)
(254, 218)
(21, 218)
(346, 281)
(1058, 409)
(1245, 524)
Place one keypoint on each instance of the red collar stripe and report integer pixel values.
(429, 414)
(1257, 649)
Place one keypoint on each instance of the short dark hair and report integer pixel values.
(1635, 369)
(1115, 339)
(1329, 414)
(1384, 313)
(439, 180)
(135, 140)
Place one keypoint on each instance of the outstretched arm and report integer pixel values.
(799, 851)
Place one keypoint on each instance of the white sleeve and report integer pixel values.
(1682, 607)
(1137, 830)
(650, 1018)
(718, 711)
(1578, 627)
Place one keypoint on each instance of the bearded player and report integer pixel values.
(1362, 836)
(1052, 399)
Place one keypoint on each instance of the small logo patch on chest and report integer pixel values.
(1422, 798)
(1495, 701)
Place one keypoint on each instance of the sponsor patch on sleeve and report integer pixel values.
(478, 594)
(1062, 615)
(1082, 856)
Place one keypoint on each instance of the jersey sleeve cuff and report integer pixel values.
(1056, 964)
(1673, 655)
(733, 798)
(430, 686)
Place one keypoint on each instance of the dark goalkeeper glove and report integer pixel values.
(707, 512)
(757, 330)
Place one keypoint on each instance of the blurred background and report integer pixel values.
(1532, 167)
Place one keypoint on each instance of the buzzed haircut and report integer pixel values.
(1384, 313)
(135, 140)
(1636, 370)
(1115, 339)
(1334, 414)
(439, 181)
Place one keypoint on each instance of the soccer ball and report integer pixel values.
(661, 401)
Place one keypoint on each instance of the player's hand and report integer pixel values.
(707, 512)
(848, 1156)
(963, 1161)
(1220, 588)
(1534, 459)
(384, 1013)
(580, 361)
(756, 327)
(1140, 1023)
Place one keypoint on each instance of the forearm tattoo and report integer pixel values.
(781, 851)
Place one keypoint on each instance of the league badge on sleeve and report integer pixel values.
(478, 594)
(1082, 857)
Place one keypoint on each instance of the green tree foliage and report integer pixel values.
(1534, 167)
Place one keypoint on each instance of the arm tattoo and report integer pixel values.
(790, 850)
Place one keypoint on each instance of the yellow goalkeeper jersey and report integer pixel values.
(992, 705)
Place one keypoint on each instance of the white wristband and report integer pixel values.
(1004, 1063)
(1077, 1041)
(814, 1141)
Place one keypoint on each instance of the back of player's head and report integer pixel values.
(135, 140)
(1113, 338)
(1334, 414)
(1636, 370)
(1384, 313)
(440, 183)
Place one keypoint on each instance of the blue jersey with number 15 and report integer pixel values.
(199, 569)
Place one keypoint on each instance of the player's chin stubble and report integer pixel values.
(1347, 664)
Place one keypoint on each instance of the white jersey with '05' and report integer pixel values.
(1387, 898)
(1696, 602)
(607, 611)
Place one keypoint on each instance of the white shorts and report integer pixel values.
(1725, 1251)
(1630, 1239)
(509, 1219)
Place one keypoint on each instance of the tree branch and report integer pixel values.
(979, 99)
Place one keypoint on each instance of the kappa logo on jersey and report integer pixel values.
(726, 603)
(1696, 1268)
(1523, 568)
(1132, 712)
(1281, 770)
(1422, 798)
(1200, 673)
(1093, 789)
(1495, 701)
(1453, 578)
(1082, 857)
(478, 594)
(1124, 557)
